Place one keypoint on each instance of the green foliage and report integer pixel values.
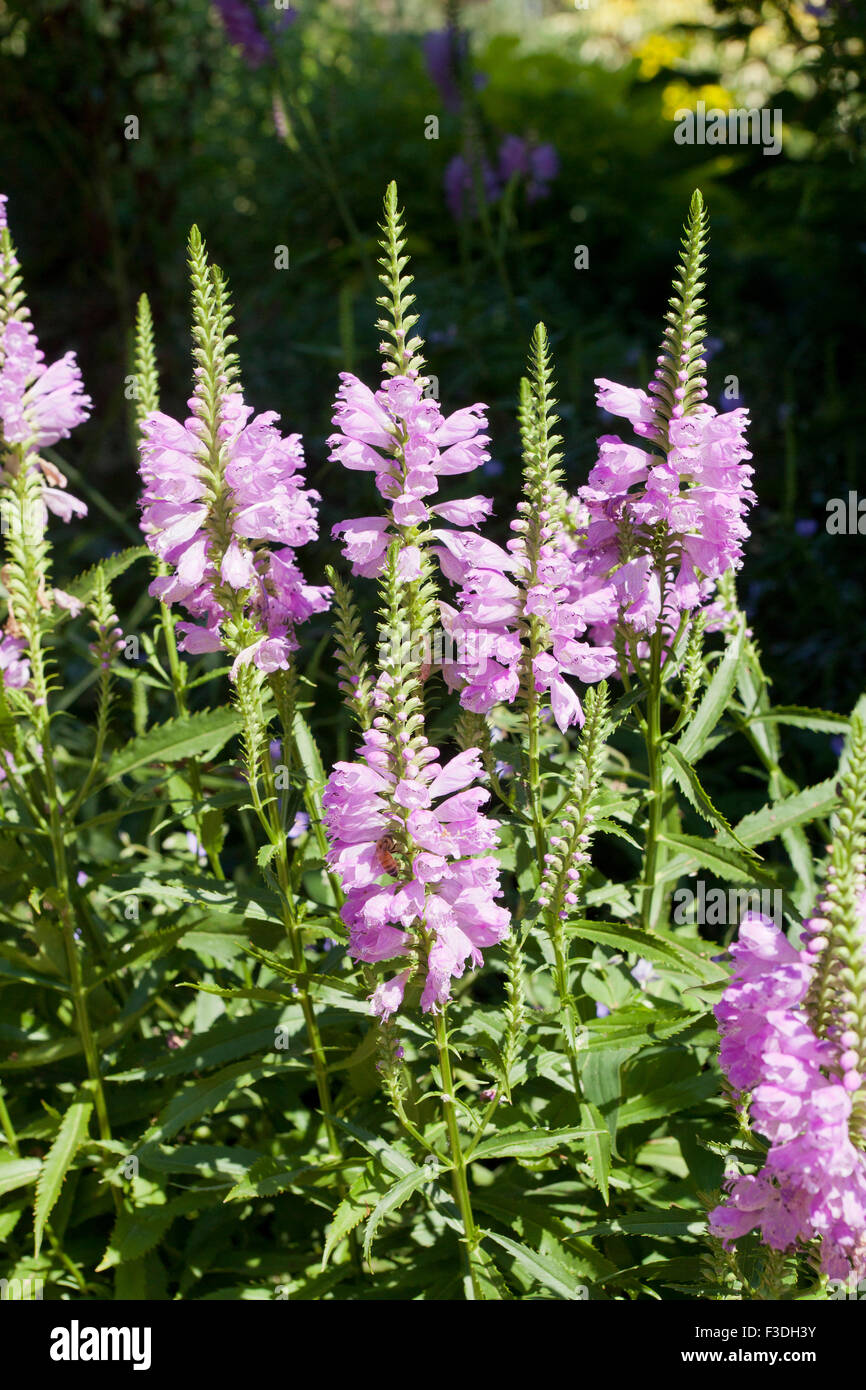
(200, 1105)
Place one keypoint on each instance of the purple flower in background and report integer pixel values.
(806, 526)
(536, 166)
(445, 53)
(245, 29)
(460, 191)
(196, 849)
(643, 973)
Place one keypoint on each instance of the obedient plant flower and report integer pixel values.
(667, 521)
(537, 165)
(446, 52)
(225, 505)
(400, 435)
(39, 404)
(518, 604)
(408, 840)
(407, 837)
(14, 665)
(663, 530)
(794, 1037)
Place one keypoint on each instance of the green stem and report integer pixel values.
(32, 566)
(566, 1002)
(533, 720)
(178, 685)
(68, 1263)
(471, 1237)
(656, 793)
(7, 1125)
(101, 733)
(269, 817)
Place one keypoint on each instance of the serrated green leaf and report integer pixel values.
(226, 1040)
(137, 1230)
(204, 1096)
(385, 1154)
(202, 1160)
(308, 752)
(597, 1146)
(670, 1222)
(18, 1172)
(61, 1048)
(528, 1143)
(820, 720)
(689, 784)
(541, 1269)
(723, 860)
(70, 1136)
(693, 739)
(200, 734)
(269, 1176)
(83, 585)
(679, 1095)
(349, 1214)
(661, 950)
(624, 1026)
(393, 1199)
(813, 803)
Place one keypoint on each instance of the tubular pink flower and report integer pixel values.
(268, 506)
(400, 434)
(660, 530)
(813, 1183)
(411, 854)
(14, 665)
(39, 404)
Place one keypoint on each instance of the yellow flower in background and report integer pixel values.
(658, 51)
(680, 96)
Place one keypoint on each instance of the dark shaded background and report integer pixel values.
(99, 218)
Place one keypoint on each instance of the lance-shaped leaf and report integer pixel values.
(71, 1135)
(690, 785)
(541, 1269)
(18, 1172)
(201, 734)
(694, 737)
(393, 1199)
(652, 946)
(812, 803)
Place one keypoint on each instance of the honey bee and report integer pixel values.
(384, 853)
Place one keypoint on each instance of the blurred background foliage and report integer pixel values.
(99, 218)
